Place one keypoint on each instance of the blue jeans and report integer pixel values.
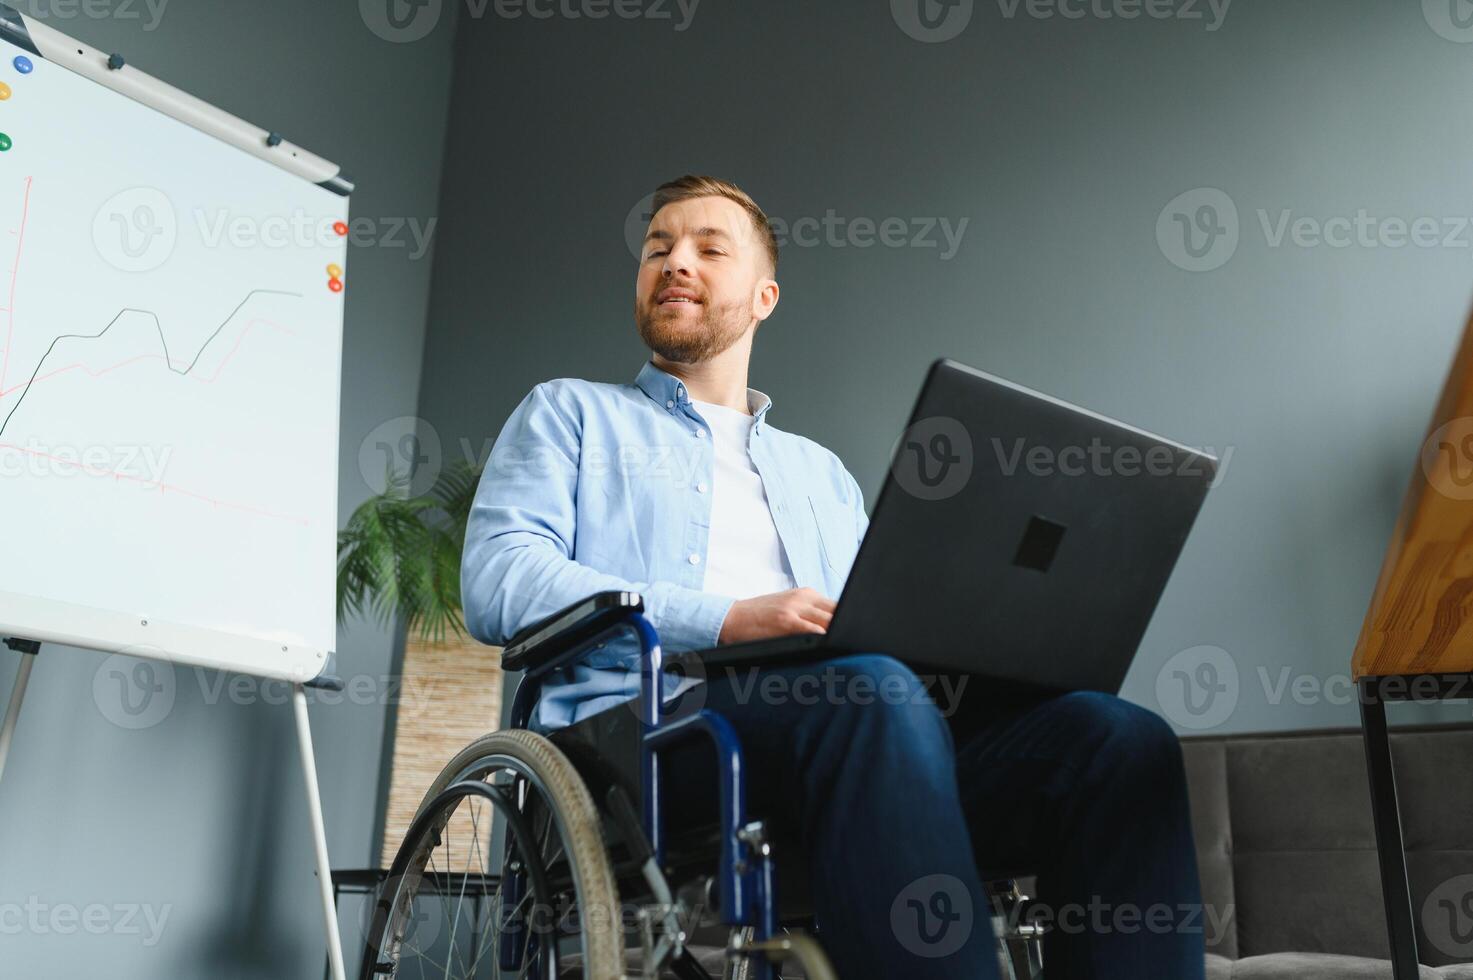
(902, 807)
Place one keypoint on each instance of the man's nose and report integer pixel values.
(679, 259)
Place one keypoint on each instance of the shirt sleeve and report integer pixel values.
(517, 567)
(861, 519)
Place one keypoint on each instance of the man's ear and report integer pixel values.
(764, 299)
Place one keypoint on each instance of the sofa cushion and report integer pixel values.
(1318, 966)
(1285, 841)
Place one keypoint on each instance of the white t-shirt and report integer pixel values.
(745, 556)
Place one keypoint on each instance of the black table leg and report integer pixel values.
(1395, 890)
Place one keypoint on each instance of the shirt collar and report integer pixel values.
(669, 392)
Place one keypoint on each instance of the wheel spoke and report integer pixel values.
(476, 937)
(440, 891)
(526, 952)
(450, 870)
(464, 880)
(543, 836)
(541, 899)
(421, 956)
(488, 933)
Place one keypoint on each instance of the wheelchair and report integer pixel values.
(529, 856)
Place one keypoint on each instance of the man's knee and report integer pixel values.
(876, 695)
(864, 679)
(1123, 737)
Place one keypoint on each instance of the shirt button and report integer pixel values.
(700, 433)
(700, 488)
(669, 404)
(695, 559)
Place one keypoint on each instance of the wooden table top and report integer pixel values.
(1421, 615)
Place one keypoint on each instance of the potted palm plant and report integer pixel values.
(399, 566)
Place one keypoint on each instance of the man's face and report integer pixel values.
(703, 278)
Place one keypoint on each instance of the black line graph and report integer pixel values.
(163, 342)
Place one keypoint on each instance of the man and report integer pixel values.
(678, 487)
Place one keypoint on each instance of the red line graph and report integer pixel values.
(20, 242)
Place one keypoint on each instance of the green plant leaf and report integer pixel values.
(399, 556)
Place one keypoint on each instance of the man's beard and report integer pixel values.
(713, 332)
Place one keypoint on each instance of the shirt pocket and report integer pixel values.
(837, 540)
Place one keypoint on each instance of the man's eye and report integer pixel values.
(714, 251)
(655, 254)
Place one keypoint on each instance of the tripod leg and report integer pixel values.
(17, 694)
(319, 834)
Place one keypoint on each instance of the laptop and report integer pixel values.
(1017, 537)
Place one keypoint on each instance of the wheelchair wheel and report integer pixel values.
(534, 899)
(739, 967)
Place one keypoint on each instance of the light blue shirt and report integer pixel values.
(592, 487)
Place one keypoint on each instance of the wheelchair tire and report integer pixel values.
(545, 774)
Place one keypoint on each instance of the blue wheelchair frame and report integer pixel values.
(745, 872)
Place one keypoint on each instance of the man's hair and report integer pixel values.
(691, 185)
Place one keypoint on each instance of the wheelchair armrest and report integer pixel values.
(560, 638)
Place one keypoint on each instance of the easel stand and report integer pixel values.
(319, 832)
(29, 649)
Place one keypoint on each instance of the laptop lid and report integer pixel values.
(1019, 537)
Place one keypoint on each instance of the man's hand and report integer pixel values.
(777, 614)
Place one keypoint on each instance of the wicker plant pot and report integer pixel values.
(450, 695)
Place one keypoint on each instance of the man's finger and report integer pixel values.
(816, 615)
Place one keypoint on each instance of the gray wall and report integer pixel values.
(1061, 141)
(202, 816)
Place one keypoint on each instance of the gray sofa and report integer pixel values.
(1288, 856)
(1286, 846)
